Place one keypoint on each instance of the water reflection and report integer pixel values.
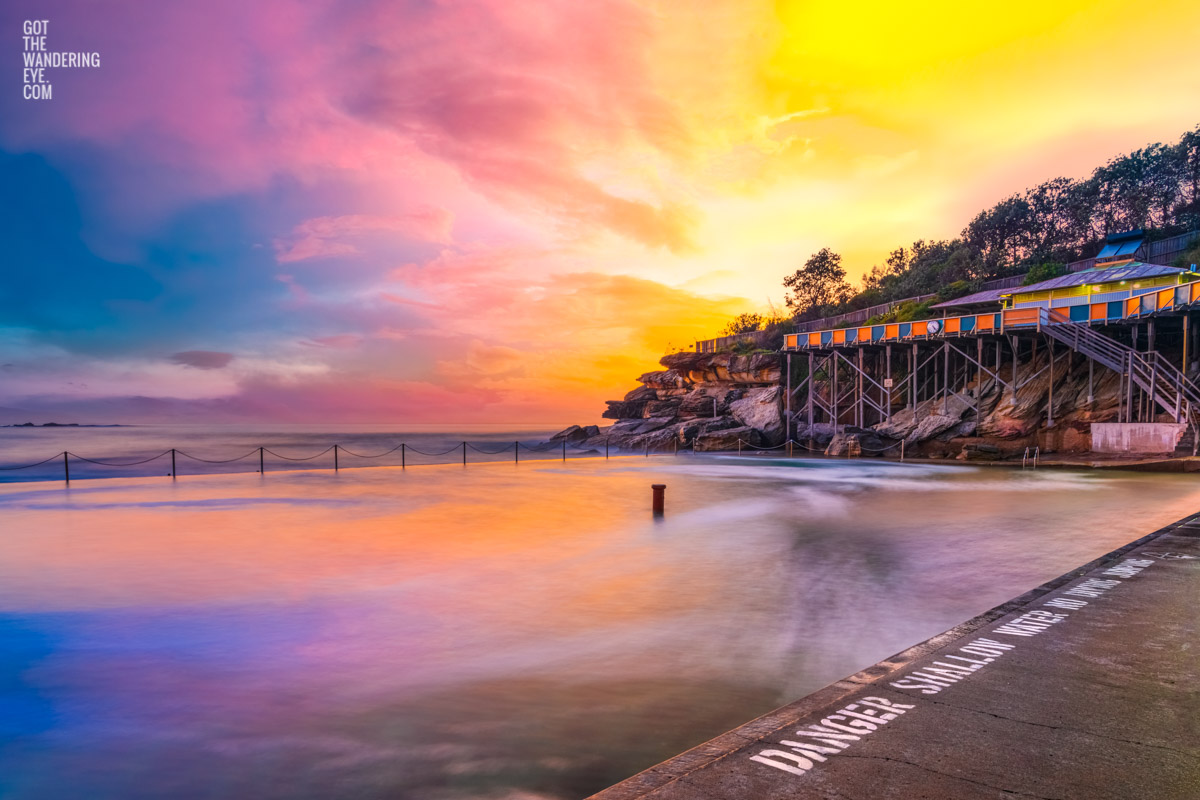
(500, 631)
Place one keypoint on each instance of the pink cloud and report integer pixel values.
(327, 236)
(516, 98)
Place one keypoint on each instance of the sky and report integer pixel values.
(504, 211)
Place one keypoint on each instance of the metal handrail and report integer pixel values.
(1160, 379)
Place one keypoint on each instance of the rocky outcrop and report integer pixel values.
(711, 369)
(705, 400)
(714, 401)
(1008, 420)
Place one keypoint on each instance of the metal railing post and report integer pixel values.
(261, 463)
(66, 468)
(174, 473)
(335, 459)
(402, 456)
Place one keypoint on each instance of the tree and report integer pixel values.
(1002, 233)
(1043, 272)
(744, 323)
(818, 285)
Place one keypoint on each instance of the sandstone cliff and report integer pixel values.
(712, 401)
(705, 400)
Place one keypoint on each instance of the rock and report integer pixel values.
(1020, 413)
(651, 424)
(700, 403)
(666, 439)
(701, 368)
(575, 434)
(641, 393)
(900, 426)
(869, 442)
(964, 428)
(979, 451)
(844, 444)
(819, 432)
(930, 427)
(762, 409)
(664, 379)
(663, 408)
(633, 406)
(694, 429)
(572, 434)
(728, 439)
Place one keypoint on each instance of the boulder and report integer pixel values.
(575, 434)
(728, 439)
(930, 427)
(844, 444)
(664, 439)
(900, 426)
(762, 409)
(819, 432)
(869, 442)
(705, 403)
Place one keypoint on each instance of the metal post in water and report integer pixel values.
(901, 449)
(606, 448)
(516, 452)
(739, 445)
(173, 472)
(66, 467)
(335, 461)
(464, 454)
(402, 459)
(658, 503)
(261, 469)
(564, 449)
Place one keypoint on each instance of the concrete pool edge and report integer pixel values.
(834, 695)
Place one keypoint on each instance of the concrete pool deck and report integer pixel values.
(1086, 687)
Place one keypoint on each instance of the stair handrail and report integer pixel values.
(1165, 383)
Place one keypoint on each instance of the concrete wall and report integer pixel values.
(1135, 437)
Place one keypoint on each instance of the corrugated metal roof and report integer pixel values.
(1133, 271)
(989, 296)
